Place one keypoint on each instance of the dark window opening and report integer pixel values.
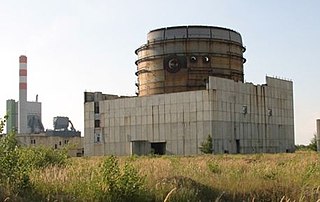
(158, 148)
(206, 59)
(60, 143)
(55, 146)
(238, 146)
(97, 138)
(244, 109)
(96, 107)
(193, 59)
(96, 123)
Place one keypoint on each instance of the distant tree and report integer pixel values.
(3, 123)
(311, 146)
(313, 143)
(206, 146)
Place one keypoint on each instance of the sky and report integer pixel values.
(75, 46)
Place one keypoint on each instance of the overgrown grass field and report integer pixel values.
(44, 174)
(259, 177)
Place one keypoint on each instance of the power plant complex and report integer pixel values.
(24, 118)
(190, 85)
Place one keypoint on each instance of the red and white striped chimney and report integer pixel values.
(22, 106)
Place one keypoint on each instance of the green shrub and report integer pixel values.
(16, 164)
(121, 184)
(206, 146)
(13, 174)
(214, 167)
(3, 123)
(42, 157)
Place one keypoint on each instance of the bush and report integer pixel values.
(206, 146)
(214, 167)
(121, 184)
(16, 164)
(2, 123)
(14, 175)
(42, 157)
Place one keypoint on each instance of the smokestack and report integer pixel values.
(22, 106)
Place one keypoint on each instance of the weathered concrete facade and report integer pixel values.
(180, 58)
(318, 135)
(73, 143)
(240, 117)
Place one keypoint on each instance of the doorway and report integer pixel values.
(238, 146)
(158, 148)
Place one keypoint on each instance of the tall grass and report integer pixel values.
(259, 177)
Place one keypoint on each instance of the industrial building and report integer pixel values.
(318, 134)
(63, 135)
(24, 118)
(190, 82)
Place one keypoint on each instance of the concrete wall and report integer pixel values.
(241, 118)
(318, 135)
(259, 117)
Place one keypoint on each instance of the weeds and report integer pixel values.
(214, 168)
(16, 165)
(51, 176)
(121, 184)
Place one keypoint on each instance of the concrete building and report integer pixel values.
(73, 143)
(318, 135)
(63, 135)
(240, 117)
(190, 85)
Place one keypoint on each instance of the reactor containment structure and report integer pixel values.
(190, 85)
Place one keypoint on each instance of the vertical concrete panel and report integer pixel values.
(173, 108)
(168, 132)
(139, 135)
(144, 132)
(193, 106)
(199, 115)
(173, 118)
(162, 136)
(200, 135)
(133, 131)
(150, 133)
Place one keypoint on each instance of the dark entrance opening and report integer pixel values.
(158, 148)
(238, 146)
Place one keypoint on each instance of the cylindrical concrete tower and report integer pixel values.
(182, 58)
(22, 106)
